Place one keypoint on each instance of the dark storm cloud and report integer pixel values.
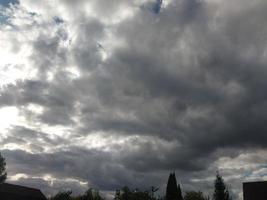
(76, 163)
(208, 98)
(193, 74)
(57, 101)
(161, 81)
(158, 89)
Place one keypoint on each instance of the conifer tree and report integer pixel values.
(180, 197)
(220, 191)
(173, 192)
(3, 173)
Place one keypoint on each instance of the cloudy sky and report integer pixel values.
(107, 93)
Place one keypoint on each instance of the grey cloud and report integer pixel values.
(57, 101)
(85, 50)
(194, 73)
(80, 164)
(35, 140)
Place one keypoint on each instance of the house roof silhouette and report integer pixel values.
(255, 190)
(17, 192)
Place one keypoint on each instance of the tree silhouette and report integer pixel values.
(220, 191)
(127, 194)
(153, 190)
(173, 192)
(90, 194)
(3, 173)
(193, 195)
(63, 195)
(117, 195)
(180, 197)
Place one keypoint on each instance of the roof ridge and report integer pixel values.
(21, 186)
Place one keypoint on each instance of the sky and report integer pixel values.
(102, 94)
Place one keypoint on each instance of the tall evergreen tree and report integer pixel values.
(220, 191)
(3, 173)
(173, 192)
(180, 196)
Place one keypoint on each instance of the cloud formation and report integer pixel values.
(110, 93)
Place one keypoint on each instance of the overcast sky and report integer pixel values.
(107, 93)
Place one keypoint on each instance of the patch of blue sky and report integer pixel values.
(8, 2)
(154, 7)
(263, 173)
(263, 166)
(157, 6)
(3, 5)
(58, 20)
(247, 174)
(3, 16)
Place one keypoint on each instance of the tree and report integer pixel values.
(3, 173)
(180, 197)
(220, 191)
(153, 190)
(173, 192)
(127, 194)
(64, 195)
(193, 195)
(117, 195)
(90, 194)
